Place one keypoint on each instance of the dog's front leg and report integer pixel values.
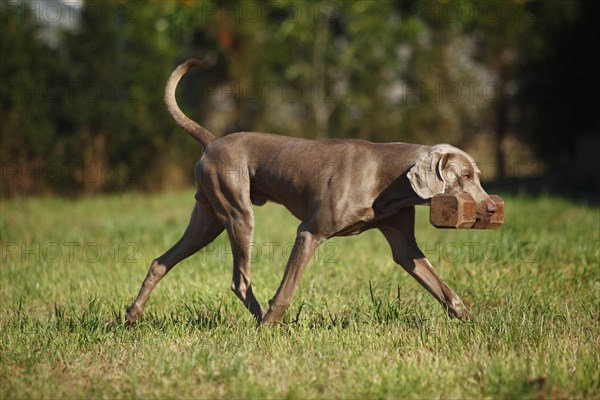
(422, 270)
(399, 232)
(304, 247)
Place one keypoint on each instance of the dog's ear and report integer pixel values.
(426, 176)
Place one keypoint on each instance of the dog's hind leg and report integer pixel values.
(203, 228)
(240, 235)
(230, 195)
(304, 248)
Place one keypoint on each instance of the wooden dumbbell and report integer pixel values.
(459, 211)
(496, 220)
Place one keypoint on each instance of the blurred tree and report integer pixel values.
(94, 52)
(559, 78)
(341, 55)
(368, 49)
(411, 70)
(498, 29)
(28, 92)
(429, 112)
(123, 52)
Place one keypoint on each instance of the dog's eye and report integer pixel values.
(467, 176)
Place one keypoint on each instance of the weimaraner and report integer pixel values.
(334, 187)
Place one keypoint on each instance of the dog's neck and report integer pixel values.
(397, 195)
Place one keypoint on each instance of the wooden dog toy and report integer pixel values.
(459, 211)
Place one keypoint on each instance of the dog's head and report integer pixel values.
(446, 169)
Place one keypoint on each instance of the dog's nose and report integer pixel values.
(491, 208)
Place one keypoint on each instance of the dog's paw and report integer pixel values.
(133, 313)
(459, 311)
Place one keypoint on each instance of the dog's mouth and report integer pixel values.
(485, 211)
(483, 216)
(481, 221)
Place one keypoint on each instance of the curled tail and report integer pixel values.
(197, 131)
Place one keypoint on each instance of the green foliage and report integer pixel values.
(559, 78)
(359, 326)
(83, 102)
(29, 75)
(88, 116)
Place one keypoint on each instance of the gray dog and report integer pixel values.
(334, 187)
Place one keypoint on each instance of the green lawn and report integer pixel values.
(359, 326)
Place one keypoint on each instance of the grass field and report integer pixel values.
(359, 326)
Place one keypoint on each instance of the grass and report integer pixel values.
(358, 327)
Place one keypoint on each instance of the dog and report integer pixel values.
(334, 187)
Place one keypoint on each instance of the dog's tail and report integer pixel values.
(197, 131)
